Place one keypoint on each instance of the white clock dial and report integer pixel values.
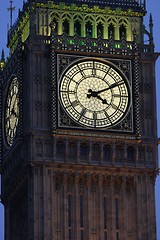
(12, 112)
(94, 93)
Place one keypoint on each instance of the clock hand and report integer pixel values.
(13, 112)
(111, 86)
(104, 101)
(92, 93)
(95, 93)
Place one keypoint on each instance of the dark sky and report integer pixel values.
(153, 6)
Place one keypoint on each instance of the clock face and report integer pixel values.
(12, 112)
(94, 93)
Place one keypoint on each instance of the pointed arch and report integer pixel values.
(100, 29)
(123, 25)
(56, 19)
(112, 27)
(89, 28)
(122, 32)
(89, 22)
(66, 26)
(77, 27)
(111, 30)
(100, 23)
(78, 20)
(66, 23)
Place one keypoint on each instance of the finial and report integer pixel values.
(2, 61)
(11, 9)
(151, 28)
(2, 56)
(150, 19)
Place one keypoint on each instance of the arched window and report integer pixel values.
(84, 151)
(119, 153)
(122, 32)
(55, 21)
(107, 153)
(111, 31)
(72, 150)
(60, 149)
(77, 27)
(96, 152)
(66, 26)
(89, 29)
(141, 154)
(100, 29)
(130, 154)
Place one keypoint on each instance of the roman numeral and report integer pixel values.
(95, 118)
(117, 95)
(82, 72)
(75, 103)
(107, 116)
(114, 106)
(82, 113)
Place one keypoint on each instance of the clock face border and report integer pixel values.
(11, 113)
(107, 62)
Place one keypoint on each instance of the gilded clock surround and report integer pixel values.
(94, 93)
(73, 105)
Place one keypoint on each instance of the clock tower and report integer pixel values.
(79, 130)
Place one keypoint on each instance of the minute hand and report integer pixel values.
(110, 87)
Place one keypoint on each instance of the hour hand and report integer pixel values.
(104, 101)
(95, 94)
(92, 93)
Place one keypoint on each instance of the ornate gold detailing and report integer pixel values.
(85, 8)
